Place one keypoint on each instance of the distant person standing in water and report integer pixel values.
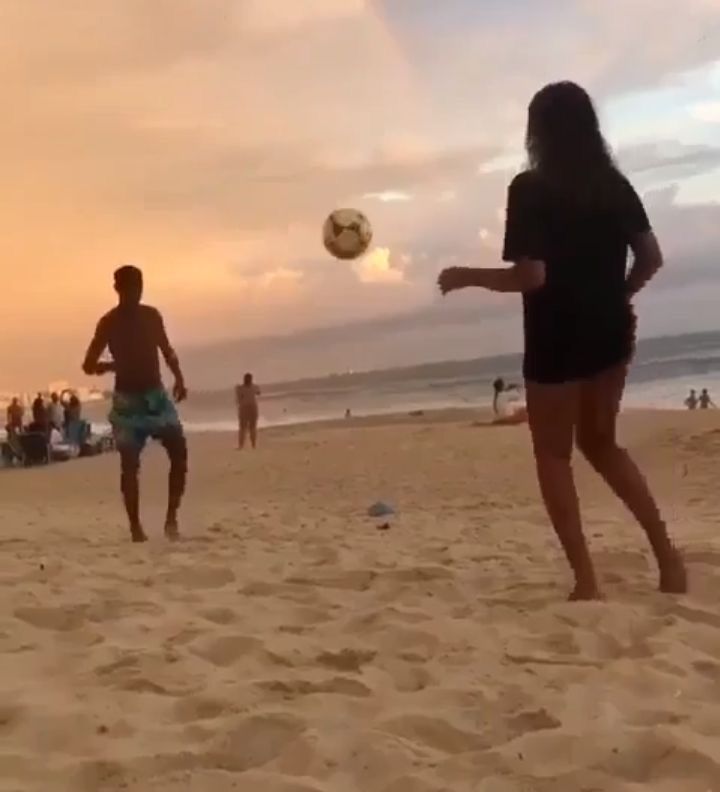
(498, 390)
(692, 400)
(246, 399)
(705, 400)
(141, 408)
(507, 411)
(571, 217)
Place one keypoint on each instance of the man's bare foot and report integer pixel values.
(172, 532)
(673, 575)
(137, 533)
(585, 592)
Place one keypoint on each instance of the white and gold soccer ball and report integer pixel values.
(347, 233)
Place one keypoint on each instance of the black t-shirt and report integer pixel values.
(580, 321)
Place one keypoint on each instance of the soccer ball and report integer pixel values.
(347, 233)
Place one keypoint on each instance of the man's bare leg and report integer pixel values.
(130, 467)
(176, 448)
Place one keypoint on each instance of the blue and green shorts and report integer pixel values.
(138, 417)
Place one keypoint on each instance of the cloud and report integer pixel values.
(208, 141)
(378, 266)
(706, 111)
(388, 196)
(669, 159)
(268, 16)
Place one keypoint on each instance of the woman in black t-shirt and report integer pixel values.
(571, 217)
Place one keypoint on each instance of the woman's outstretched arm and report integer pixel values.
(525, 275)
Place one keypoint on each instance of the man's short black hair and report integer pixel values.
(127, 277)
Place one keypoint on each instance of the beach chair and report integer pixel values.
(35, 447)
(11, 452)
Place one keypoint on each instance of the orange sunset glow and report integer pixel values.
(206, 142)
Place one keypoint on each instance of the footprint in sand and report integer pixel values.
(135, 672)
(226, 650)
(697, 616)
(202, 577)
(413, 784)
(10, 718)
(419, 574)
(708, 669)
(340, 686)
(435, 733)
(531, 721)
(350, 580)
(219, 615)
(62, 619)
(96, 774)
(414, 646)
(346, 659)
(255, 741)
(408, 678)
(198, 708)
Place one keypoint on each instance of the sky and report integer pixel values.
(206, 143)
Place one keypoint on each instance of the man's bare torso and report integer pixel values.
(133, 335)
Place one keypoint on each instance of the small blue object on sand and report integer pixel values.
(380, 509)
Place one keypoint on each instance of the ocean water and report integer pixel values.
(663, 372)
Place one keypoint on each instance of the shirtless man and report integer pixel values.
(704, 400)
(246, 397)
(141, 408)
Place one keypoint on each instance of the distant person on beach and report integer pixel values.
(705, 400)
(15, 416)
(56, 413)
(246, 399)
(507, 411)
(571, 217)
(39, 413)
(692, 400)
(141, 407)
(498, 390)
(74, 408)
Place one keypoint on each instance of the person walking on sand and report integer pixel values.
(704, 400)
(141, 407)
(692, 400)
(246, 399)
(571, 217)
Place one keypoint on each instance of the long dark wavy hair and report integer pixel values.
(564, 142)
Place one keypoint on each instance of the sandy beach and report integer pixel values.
(289, 645)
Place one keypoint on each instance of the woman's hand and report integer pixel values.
(453, 278)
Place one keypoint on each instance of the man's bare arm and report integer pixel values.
(92, 365)
(172, 360)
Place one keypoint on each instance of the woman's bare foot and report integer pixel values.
(673, 575)
(172, 532)
(585, 592)
(137, 533)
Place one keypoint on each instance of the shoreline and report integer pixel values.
(449, 415)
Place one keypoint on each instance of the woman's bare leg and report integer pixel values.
(253, 433)
(600, 400)
(552, 412)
